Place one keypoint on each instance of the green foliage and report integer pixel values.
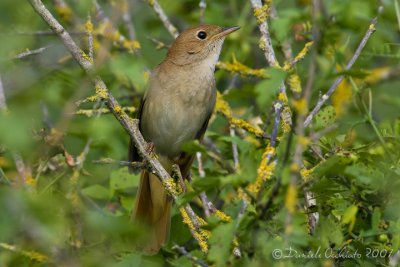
(58, 207)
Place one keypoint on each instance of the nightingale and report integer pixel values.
(175, 109)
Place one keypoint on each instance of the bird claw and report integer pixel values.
(150, 150)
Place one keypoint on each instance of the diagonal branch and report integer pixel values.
(261, 13)
(164, 18)
(325, 97)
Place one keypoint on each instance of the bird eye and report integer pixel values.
(202, 35)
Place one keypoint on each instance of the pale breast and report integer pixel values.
(176, 107)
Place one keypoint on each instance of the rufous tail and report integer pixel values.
(152, 209)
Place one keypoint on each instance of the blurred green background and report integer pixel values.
(59, 207)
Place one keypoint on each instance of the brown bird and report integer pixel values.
(175, 109)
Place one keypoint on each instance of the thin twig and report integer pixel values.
(184, 252)
(45, 33)
(208, 206)
(127, 19)
(89, 32)
(325, 97)
(91, 112)
(3, 104)
(286, 46)
(202, 173)
(22, 170)
(236, 250)
(112, 32)
(278, 106)
(203, 6)
(269, 156)
(266, 41)
(164, 18)
(310, 201)
(31, 52)
(313, 217)
(160, 45)
(135, 164)
(266, 45)
(235, 152)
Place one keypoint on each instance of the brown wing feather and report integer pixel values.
(185, 161)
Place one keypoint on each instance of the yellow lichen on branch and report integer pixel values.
(264, 171)
(200, 235)
(171, 185)
(33, 255)
(286, 113)
(294, 83)
(291, 198)
(237, 67)
(101, 93)
(224, 217)
(300, 56)
(306, 173)
(107, 30)
(342, 97)
(300, 105)
(64, 12)
(92, 112)
(89, 27)
(261, 14)
(223, 107)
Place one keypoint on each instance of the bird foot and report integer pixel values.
(150, 150)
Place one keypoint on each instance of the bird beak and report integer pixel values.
(226, 31)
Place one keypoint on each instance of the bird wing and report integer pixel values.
(185, 160)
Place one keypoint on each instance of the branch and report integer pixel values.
(267, 166)
(110, 32)
(23, 171)
(135, 165)
(239, 68)
(130, 125)
(235, 152)
(184, 252)
(208, 206)
(126, 17)
(31, 52)
(325, 97)
(91, 112)
(163, 17)
(203, 6)
(261, 14)
(3, 104)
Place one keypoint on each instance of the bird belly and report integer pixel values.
(174, 121)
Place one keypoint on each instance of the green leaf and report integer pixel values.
(349, 216)
(192, 147)
(221, 244)
(185, 198)
(376, 218)
(365, 175)
(204, 184)
(97, 192)
(328, 232)
(333, 165)
(325, 117)
(122, 180)
(180, 233)
(268, 89)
